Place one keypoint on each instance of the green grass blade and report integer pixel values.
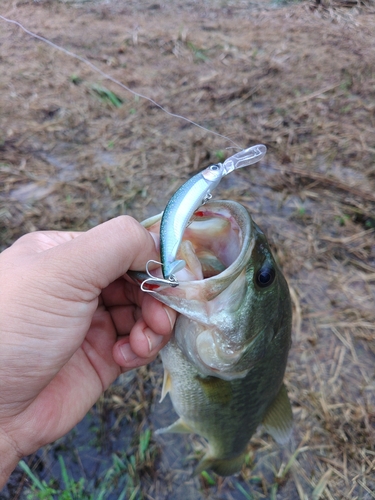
(36, 482)
(209, 480)
(64, 473)
(123, 494)
(246, 494)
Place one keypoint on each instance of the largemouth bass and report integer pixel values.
(225, 364)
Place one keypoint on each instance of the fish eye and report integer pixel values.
(265, 276)
(214, 167)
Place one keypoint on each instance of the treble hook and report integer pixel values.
(154, 280)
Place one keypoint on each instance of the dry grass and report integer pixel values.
(299, 79)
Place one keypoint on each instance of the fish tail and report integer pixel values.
(221, 466)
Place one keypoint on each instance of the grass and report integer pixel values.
(210, 481)
(107, 96)
(103, 467)
(200, 55)
(220, 155)
(75, 79)
(245, 494)
(121, 479)
(71, 489)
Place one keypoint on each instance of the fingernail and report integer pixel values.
(167, 312)
(156, 239)
(153, 339)
(127, 353)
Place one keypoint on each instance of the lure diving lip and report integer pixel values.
(190, 196)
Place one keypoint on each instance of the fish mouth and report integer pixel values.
(214, 245)
(212, 288)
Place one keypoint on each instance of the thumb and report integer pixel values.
(106, 252)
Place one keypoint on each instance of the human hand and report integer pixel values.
(69, 325)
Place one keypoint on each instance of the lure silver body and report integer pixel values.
(190, 196)
(178, 212)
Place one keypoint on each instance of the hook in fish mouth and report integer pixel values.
(156, 281)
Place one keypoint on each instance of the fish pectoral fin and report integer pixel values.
(180, 426)
(221, 466)
(167, 384)
(217, 390)
(278, 420)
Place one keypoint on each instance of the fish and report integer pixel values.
(193, 193)
(225, 364)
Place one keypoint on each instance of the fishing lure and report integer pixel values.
(180, 208)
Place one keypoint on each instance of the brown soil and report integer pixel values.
(300, 79)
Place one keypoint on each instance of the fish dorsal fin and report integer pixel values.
(180, 426)
(167, 384)
(278, 420)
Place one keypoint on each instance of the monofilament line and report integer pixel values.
(117, 82)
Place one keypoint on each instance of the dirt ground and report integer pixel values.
(77, 149)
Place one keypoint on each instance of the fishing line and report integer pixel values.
(117, 82)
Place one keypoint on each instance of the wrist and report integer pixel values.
(9, 458)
